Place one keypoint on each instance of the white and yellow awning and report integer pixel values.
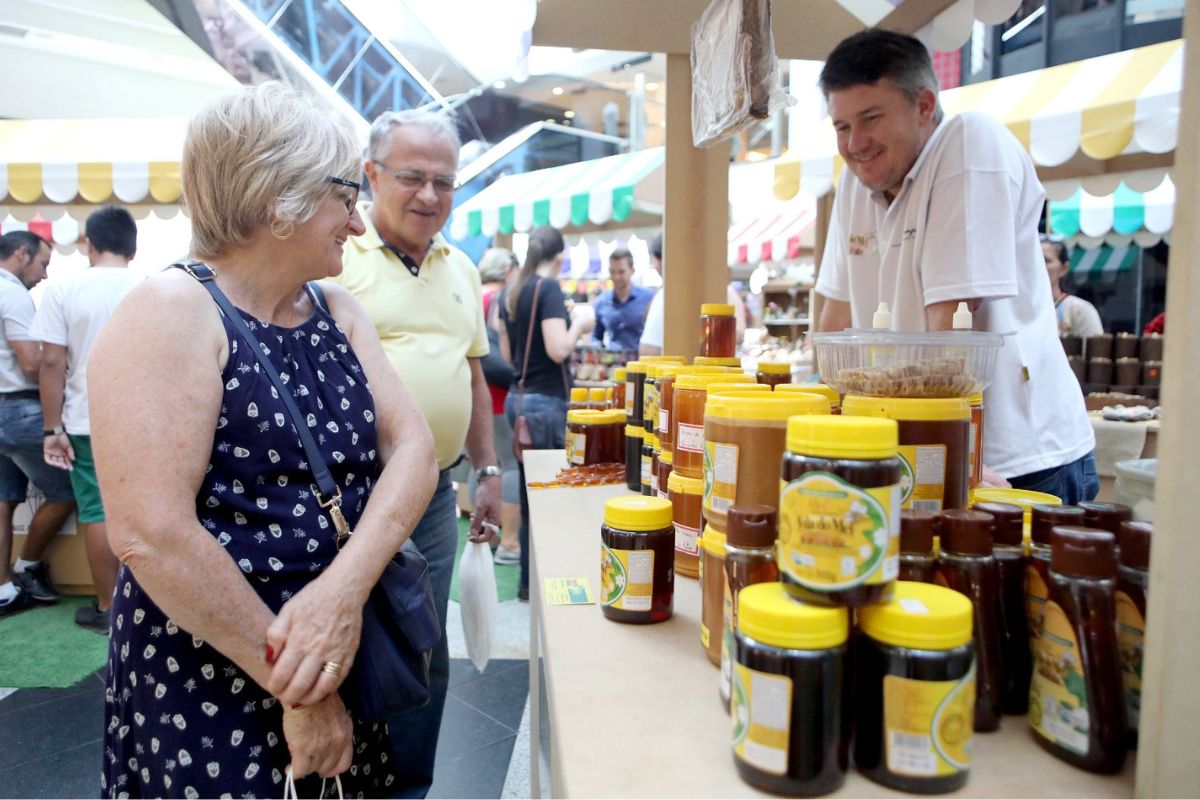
(1112, 105)
(90, 161)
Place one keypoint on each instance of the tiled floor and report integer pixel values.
(50, 739)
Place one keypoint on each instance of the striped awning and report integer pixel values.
(625, 188)
(1111, 105)
(88, 161)
(772, 237)
(1103, 264)
(1119, 218)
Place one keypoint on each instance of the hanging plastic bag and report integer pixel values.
(477, 596)
(735, 74)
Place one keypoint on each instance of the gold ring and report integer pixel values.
(332, 667)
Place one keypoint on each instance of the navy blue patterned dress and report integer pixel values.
(181, 720)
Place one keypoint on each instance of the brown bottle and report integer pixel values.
(1133, 583)
(967, 566)
(1106, 516)
(917, 560)
(1009, 552)
(749, 559)
(1076, 701)
(1037, 566)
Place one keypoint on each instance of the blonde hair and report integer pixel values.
(258, 157)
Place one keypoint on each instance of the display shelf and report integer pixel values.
(634, 709)
(788, 321)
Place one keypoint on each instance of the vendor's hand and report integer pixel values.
(320, 737)
(57, 451)
(319, 626)
(583, 317)
(486, 518)
(992, 480)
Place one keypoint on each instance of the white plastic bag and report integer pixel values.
(477, 596)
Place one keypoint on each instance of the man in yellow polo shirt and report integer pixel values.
(424, 297)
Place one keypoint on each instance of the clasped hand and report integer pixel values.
(314, 640)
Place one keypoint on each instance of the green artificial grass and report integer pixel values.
(43, 647)
(507, 576)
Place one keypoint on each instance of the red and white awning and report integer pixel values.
(773, 236)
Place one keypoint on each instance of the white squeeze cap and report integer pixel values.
(882, 317)
(962, 318)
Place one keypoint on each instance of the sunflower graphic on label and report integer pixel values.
(613, 578)
(835, 535)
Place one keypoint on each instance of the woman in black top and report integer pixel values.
(547, 379)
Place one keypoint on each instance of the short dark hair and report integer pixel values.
(622, 254)
(111, 229)
(13, 241)
(656, 246)
(873, 54)
(1061, 252)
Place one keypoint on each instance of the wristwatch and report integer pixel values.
(483, 472)
(55, 431)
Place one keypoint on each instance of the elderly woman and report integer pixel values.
(236, 617)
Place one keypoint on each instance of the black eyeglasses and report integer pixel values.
(415, 180)
(349, 198)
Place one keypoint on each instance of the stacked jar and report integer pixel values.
(637, 582)
(828, 392)
(690, 393)
(666, 398)
(718, 330)
(773, 373)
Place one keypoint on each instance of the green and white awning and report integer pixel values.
(625, 188)
(1124, 216)
(1102, 264)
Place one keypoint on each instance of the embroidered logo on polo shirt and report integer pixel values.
(859, 242)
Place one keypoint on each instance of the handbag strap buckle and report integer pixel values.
(334, 506)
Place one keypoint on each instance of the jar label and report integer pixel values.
(727, 646)
(687, 540)
(663, 422)
(922, 477)
(1058, 708)
(1036, 595)
(646, 470)
(720, 476)
(578, 447)
(626, 578)
(629, 394)
(927, 725)
(834, 535)
(1131, 634)
(761, 710)
(689, 438)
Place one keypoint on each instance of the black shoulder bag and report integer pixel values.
(400, 622)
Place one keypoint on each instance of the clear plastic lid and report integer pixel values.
(894, 364)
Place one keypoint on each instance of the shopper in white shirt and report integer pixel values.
(931, 212)
(1076, 316)
(67, 323)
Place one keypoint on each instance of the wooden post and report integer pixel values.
(1167, 765)
(696, 219)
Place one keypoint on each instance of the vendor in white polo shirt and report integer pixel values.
(931, 212)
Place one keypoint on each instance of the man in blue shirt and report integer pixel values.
(621, 311)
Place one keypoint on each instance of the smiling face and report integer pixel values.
(880, 131)
(410, 217)
(621, 272)
(320, 240)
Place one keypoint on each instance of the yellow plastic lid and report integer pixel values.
(842, 437)
(619, 374)
(713, 541)
(1024, 498)
(762, 406)
(634, 431)
(612, 416)
(908, 409)
(828, 392)
(652, 369)
(635, 512)
(679, 482)
(704, 379)
(718, 361)
(775, 367)
(633, 367)
(597, 395)
(919, 615)
(716, 310)
(663, 359)
(587, 416)
(668, 457)
(579, 395)
(651, 439)
(738, 388)
(975, 399)
(673, 370)
(767, 614)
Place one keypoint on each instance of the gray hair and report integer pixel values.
(437, 123)
(495, 264)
